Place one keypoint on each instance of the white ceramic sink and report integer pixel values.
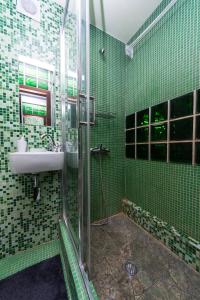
(36, 162)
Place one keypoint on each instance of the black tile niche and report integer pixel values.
(159, 112)
(152, 131)
(159, 152)
(143, 135)
(130, 136)
(181, 129)
(142, 151)
(130, 151)
(181, 106)
(130, 121)
(181, 152)
(159, 132)
(143, 117)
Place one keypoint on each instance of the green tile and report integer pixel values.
(107, 86)
(25, 224)
(25, 259)
(165, 65)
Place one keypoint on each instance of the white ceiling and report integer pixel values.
(120, 18)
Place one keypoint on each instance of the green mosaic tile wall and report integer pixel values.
(107, 86)
(166, 65)
(23, 223)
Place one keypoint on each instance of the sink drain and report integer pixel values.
(130, 268)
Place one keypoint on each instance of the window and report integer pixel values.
(34, 76)
(169, 131)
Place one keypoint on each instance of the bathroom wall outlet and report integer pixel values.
(29, 8)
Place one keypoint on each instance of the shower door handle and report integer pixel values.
(83, 110)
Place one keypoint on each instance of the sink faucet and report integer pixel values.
(52, 146)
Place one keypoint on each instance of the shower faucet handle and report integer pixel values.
(100, 149)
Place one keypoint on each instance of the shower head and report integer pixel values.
(102, 51)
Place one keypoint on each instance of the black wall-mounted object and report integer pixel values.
(130, 151)
(181, 129)
(159, 132)
(130, 121)
(159, 152)
(159, 112)
(181, 152)
(169, 131)
(130, 136)
(143, 151)
(143, 117)
(181, 106)
(142, 134)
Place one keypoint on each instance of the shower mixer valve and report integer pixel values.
(100, 149)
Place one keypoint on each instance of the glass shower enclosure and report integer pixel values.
(75, 101)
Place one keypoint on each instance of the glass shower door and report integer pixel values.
(76, 126)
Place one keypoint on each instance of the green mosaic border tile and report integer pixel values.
(71, 260)
(65, 277)
(23, 260)
(73, 263)
(184, 246)
(93, 291)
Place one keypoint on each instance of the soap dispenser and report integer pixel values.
(21, 144)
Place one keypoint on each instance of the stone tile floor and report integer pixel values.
(161, 275)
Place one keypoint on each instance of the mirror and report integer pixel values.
(35, 106)
(35, 92)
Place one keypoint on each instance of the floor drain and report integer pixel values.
(130, 268)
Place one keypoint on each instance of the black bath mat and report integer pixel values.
(43, 281)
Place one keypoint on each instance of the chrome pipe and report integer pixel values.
(159, 17)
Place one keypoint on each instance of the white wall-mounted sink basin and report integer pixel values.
(36, 162)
